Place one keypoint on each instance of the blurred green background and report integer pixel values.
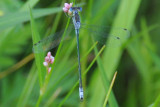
(138, 62)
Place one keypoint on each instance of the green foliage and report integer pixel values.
(137, 60)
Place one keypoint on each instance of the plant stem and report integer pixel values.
(110, 88)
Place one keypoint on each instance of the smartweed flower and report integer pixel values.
(66, 8)
(49, 59)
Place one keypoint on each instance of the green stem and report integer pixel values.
(42, 90)
(110, 88)
(39, 100)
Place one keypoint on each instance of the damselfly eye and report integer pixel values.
(80, 9)
(70, 9)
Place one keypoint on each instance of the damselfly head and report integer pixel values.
(71, 11)
(75, 8)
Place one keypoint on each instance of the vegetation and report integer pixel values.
(126, 75)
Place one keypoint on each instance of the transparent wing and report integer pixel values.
(113, 36)
(102, 34)
(51, 41)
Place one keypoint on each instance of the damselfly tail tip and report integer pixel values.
(81, 93)
(81, 99)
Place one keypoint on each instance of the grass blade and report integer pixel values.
(157, 102)
(110, 88)
(32, 77)
(38, 57)
(23, 16)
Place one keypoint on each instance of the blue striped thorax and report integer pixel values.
(75, 16)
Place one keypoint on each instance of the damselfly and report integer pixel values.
(99, 33)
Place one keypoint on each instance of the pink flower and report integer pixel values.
(49, 59)
(49, 69)
(66, 8)
(45, 64)
(49, 54)
(70, 5)
(66, 5)
(52, 60)
(46, 59)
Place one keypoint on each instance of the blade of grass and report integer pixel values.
(112, 100)
(144, 66)
(146, 35)
(20, 17)
(124, 18)
(138, 35)
(24, 8)
(38, 57)
(110, 88)
(53, 97)
(157, 102)
(31, 79)
(154, 57)
(102, 10)
(56, 21)
(30, 3)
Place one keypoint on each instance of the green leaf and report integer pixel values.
(38, 57)
(112, 99)
(27, 91)
(30, 3)
(157, 102)
(13, 19)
